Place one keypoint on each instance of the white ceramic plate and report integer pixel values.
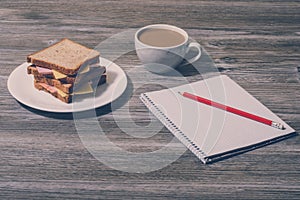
(20, 86)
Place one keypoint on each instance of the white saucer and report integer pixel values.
(20, 86)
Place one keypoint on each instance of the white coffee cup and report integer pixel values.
(159, 59)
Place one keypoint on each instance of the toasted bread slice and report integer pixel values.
(65, 56)
(93, 73)
(67, 87)
(63, 96)
(53, 91)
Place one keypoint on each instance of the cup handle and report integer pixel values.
(198, 47)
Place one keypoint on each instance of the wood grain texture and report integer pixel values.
(256, 43)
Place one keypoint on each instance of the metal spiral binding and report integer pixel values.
(173, 128)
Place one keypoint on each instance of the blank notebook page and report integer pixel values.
(211, 130)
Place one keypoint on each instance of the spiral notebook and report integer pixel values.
(210, 133)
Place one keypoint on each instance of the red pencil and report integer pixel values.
(233, 110)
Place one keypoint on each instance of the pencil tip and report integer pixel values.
(180, 93)
(278, 125)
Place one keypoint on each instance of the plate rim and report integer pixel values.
(68, 110)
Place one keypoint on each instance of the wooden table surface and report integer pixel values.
(256, 43)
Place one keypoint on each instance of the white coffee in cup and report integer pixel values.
(161, 47)
(161, 37)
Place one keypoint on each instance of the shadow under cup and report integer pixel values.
(163, 59)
